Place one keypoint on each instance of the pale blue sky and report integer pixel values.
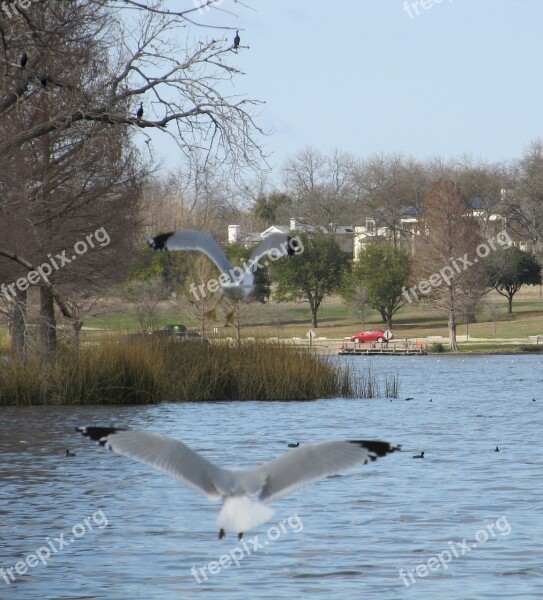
(462, 76)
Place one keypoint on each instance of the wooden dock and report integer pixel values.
(377, 349)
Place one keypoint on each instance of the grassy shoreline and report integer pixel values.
(336, 321)
(158, 370)
(272, 363)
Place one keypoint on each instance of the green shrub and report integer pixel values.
(437, 347)
(530, 348)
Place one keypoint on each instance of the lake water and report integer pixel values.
(117, 529)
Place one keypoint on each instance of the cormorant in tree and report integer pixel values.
(23, 60)
(237, 40)
(139, 114)
(43, 80)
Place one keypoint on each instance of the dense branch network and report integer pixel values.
(139, 59)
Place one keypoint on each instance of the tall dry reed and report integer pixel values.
(157, 370)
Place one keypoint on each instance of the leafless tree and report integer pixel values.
(74, 184)
(523, 202)
(195, 299)
(142, 55)
(204, 196)
(448, 238)
(146, 296)
(82, 303)
(323, 188)
(389, 185)
(356, 296)
(68, 109)
(481, 183)
(494, 311)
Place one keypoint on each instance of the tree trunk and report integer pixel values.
(17, 324)
(47, 326)
(510, 303)
(76, 329)
(238, 324)
(453, 345)
(314, 305)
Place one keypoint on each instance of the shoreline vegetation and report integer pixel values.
(493, 329)
(162, 370)
(273, 361)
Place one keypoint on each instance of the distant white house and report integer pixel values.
(408, 227)
(343, 234)
(352, 239)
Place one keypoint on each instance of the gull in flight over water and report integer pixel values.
(236, 282)
(245, 492)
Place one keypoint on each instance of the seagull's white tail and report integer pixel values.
(240, 514)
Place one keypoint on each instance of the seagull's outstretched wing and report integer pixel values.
(165, 454)
(311, 462)
(195, 241)
(278, 243)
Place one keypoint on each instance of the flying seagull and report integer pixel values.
(236, 283)
(245, 492)
(237, 41)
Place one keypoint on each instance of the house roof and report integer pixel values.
(274, 229)
(339, 230)
(411, 211)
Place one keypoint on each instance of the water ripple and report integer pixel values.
(359, 529)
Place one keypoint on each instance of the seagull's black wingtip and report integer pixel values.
(376, 448)
(98, 434)
(159, 242)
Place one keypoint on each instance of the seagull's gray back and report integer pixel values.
(274, 241)
(191, 239)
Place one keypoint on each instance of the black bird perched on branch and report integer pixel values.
(139, 114)
(237, 41)
(23, 60)
(43, 80)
